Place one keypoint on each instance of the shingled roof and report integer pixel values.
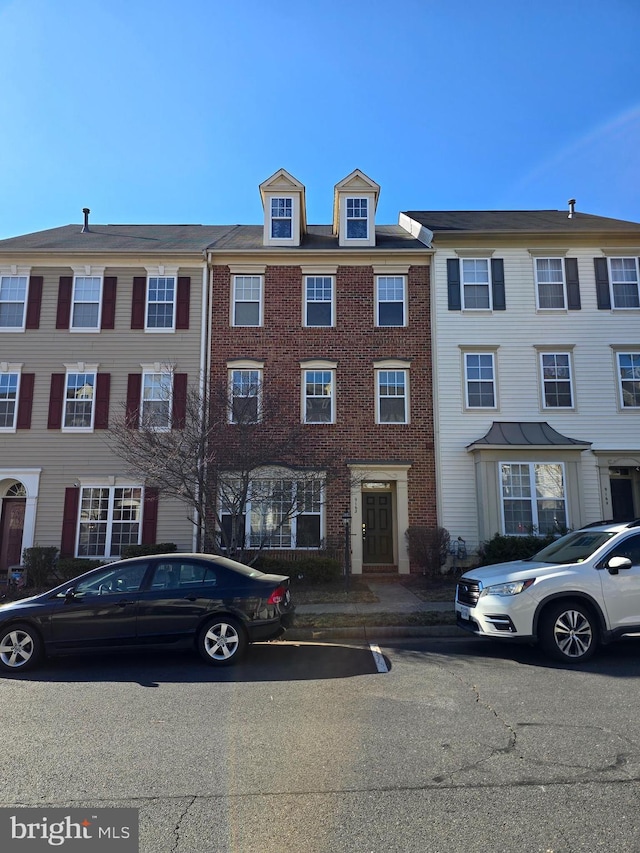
(515, 221)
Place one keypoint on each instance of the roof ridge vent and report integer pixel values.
(86, 212)
(572, 207)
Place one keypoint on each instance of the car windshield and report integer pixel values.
(574, 547)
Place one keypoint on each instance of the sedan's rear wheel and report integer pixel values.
(569, 632)
(222, 641)
(20, 648)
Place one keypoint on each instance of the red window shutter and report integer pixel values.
(64, 302)
(56, 401)
(150, 516)
(109, 302)
(183, 302)
(134, 389)
(69, 521)
(34, 302)
(25, 402)
(179, 400)
(138, 298)
(103, 387)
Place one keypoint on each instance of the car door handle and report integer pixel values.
(190, 598)
(124, 602)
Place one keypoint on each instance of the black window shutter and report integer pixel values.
(25, 403)
(453, 284)
(34, 302)
(109, 302)
(69, 521)
(64, 302)
(138, 298)
(134, 389)
(179, 400)
(56, 401)
(150, 516)
(497, 284)
(573, 284)
(183, 302)
(602, 283)
(103, 387)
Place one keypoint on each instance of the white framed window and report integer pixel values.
(391, 300)
(533, 498)
(319, 294)
(247, 300)
(79, 400)
(480, 380)
(86, 302)
(13, 301)
(319, 396)
(623, 275)
(551, 291)
(629, 379)
(555, 370)
(392, 393)
(282, 218)
(157, 400)
(357, 218)
(9, 389)
(476, 284)
(110, 518)
(281, 513)
(161, 303)
(245, 391)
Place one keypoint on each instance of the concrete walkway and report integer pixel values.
(392, 598)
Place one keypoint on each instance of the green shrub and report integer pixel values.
(312, 569)
(70, 567)
(501, 548)
(148, 550)
(39, 563)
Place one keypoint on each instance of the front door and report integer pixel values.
(377, 528)
(622, 499)
(11, 527)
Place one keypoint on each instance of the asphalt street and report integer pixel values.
(450, 745)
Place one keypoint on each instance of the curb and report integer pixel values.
(364, 633)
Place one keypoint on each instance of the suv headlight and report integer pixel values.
(511, 588)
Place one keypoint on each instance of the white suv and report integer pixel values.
(582, 590)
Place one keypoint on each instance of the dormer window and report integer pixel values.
(282, 218)
(357, 218)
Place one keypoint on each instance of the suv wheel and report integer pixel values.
(569, 632)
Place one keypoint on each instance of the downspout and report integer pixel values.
(205, 326)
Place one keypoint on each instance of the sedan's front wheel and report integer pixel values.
(569, 632)
(20, 648)
(222, 641)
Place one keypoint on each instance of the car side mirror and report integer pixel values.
(70, 593)
(614, 565)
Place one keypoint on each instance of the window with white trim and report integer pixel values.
(555, 369)
(79, 399)
(533, 498)
(13, 300)
(357, 218)
(110, 519)
(623, 275)
(85, 302)
(157, 400)
(480, 384)
(392, 396)
(9, 385)
(245, 393)
(282, 218)
(319, 300)
(476, 283)
(280, 513)
(550, 283)
(629, 379)
(247, 300)
(391, 300)
(319, 394)
(161, 302)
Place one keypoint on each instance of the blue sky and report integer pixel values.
(174, 112)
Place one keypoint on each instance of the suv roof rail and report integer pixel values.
(597, 523)
(634, 523)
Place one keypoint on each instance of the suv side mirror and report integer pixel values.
(614, 565)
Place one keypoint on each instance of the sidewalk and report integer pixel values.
(392, 598)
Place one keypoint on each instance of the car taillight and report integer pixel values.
(277, 596)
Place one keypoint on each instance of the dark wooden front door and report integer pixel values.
(377, 528)
(11, 527)
(622, 499)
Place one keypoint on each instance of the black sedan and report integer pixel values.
(213, 603)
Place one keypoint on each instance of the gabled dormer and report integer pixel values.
(285, 219)
(355, 200)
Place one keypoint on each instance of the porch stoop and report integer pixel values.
(379, 570)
